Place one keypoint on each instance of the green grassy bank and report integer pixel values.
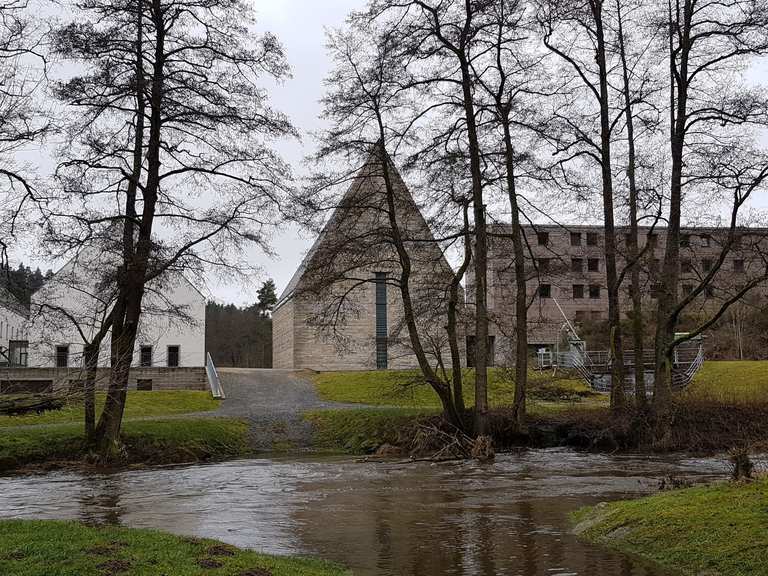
(727, 382)
(714, 530)
(139, 404)
(43, 548)
(727, 405)
(145, 441)
(363, 431)
(407, 389)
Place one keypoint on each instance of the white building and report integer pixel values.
(70, 308)
(13, 330)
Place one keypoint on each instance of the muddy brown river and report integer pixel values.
(509, 517)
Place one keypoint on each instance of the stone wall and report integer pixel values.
(64, 379)
(283, 336)
(352, 346)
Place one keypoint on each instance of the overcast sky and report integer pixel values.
(300, 25)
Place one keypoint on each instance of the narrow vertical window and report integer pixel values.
(145, 356)
(62, 356)
(381, 320)
(173, 356)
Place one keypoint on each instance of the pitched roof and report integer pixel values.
(370, 169)
(89, 254)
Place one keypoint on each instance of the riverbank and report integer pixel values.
(40, 548)
(162, 441)
(362, 412)
(701, 428)
(726, 406)
(714, 530)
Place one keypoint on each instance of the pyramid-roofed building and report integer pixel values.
(343, 309)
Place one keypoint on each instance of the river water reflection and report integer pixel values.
(509, 517)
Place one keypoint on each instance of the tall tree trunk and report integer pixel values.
(480, 256)
(452, 328)
(666, 320)
(442, 389)
(637, 303)
(133, 275)
(614, 312)
(91, 360)
(123, 339)
(521, 288)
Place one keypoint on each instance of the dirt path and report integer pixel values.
(273, 402)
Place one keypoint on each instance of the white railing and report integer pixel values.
(683, 379)
(213, 378)
(688, 361)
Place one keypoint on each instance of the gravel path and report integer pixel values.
(273, 402)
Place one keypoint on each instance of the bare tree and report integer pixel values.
(577, 33)
(711, 110)
(169, 139)
(79, 300)
(439, 37)
(376, 225)
(22, 121)
(638, 88)
(509, 75)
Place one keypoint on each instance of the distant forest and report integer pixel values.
(242, 337)
(23, 281)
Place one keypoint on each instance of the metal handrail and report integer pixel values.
(687, 363)
(213, 378)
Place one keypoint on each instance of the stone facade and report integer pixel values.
(328, 317)
(567, 279)
(283, 329)
(68, 379)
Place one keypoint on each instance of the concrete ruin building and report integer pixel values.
(343, 309)
(566, 271)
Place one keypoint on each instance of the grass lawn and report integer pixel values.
(731, 382)
(361, 431)
(727, 382)
(146, 441)
(719, 529)
(44, 548)
(407, 389)
(399, 397)
(138, 404)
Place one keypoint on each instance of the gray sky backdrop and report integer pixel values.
(300, 25)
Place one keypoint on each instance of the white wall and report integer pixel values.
(12, 326)
(72, 290)
(163, 330)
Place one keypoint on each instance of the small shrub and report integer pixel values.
(742, 464)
